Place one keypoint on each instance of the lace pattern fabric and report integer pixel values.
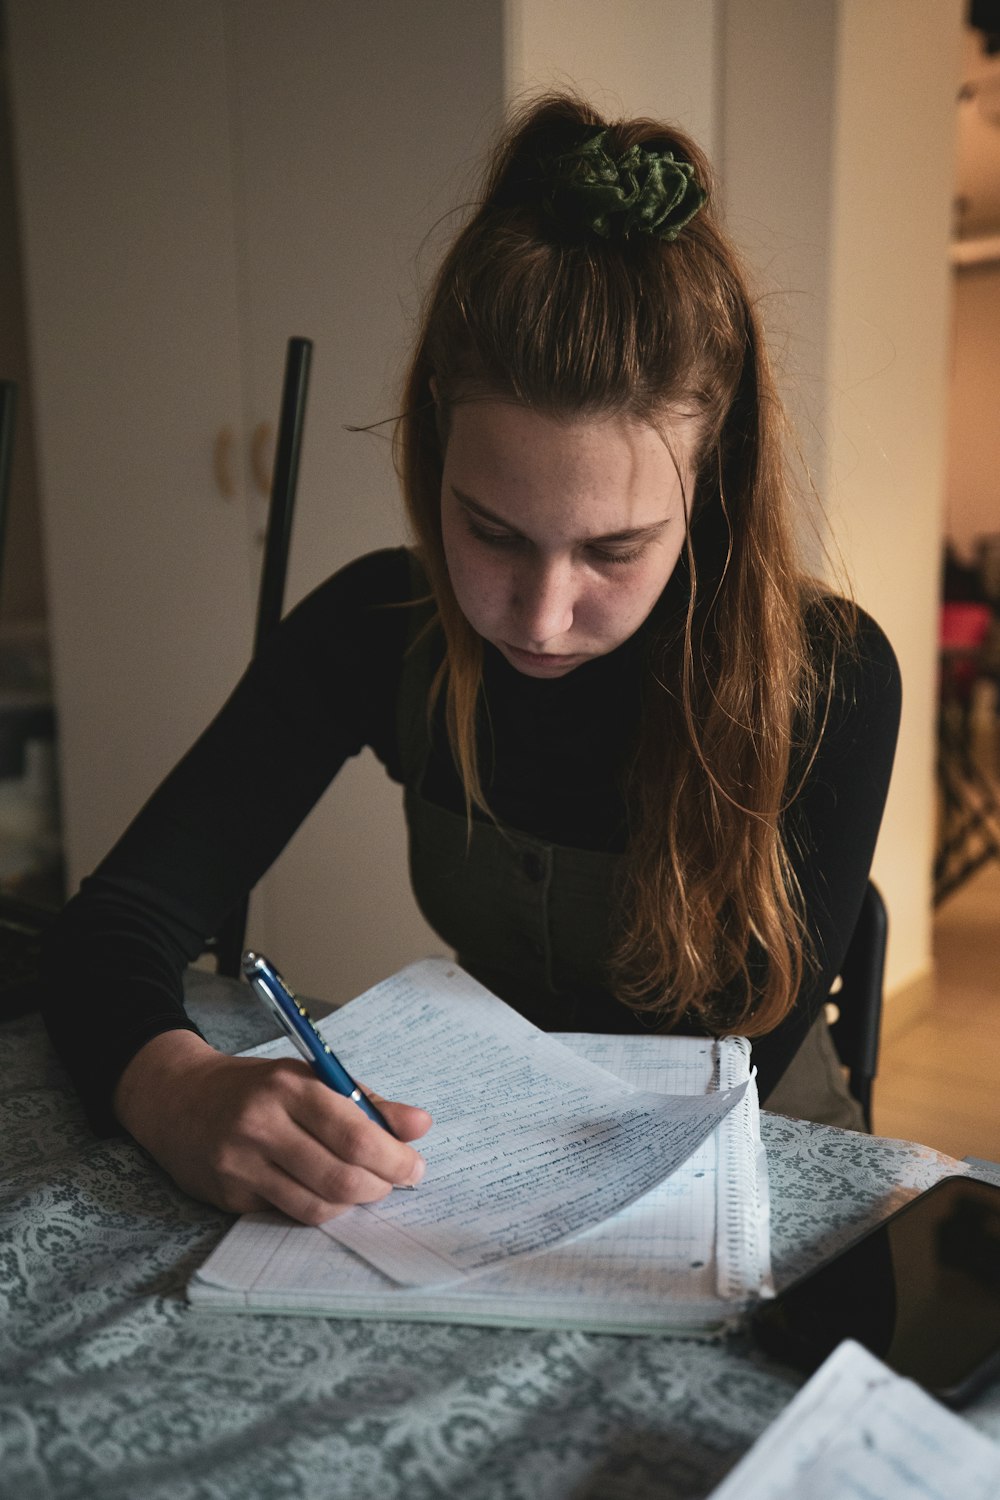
(111, 1387)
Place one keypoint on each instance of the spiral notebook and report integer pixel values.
(686, 1256)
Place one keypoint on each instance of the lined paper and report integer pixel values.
(486, 1200)
(857, 1431)
(653, 1267)
(531, 1145)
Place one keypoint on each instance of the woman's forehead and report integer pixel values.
(501, 430)
(598, 475)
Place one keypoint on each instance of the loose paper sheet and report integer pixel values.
(531, 1143)
(856, 1431)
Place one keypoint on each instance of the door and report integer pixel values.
(200, 181)
(121, 134)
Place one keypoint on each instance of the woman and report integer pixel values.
(644, 755)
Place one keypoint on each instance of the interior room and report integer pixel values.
(185, 187)
(42, 857)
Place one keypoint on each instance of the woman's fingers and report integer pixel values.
(333, 1156)
(358, 1149)
(247, 1134)
(409, 1122)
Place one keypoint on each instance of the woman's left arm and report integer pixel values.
(832, 825)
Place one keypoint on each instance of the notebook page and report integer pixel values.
(561, 1146)
(857, 1431)
(665, 1245)
(723, 1221)
(492, 1195)
(651, 1267)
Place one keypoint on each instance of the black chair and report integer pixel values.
(227, 944)
(858, 999)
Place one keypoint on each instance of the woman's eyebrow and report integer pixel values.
(482, 512)
(629, 534)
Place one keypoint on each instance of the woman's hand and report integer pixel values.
(253, 1133)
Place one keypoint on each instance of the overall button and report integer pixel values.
(533, 866)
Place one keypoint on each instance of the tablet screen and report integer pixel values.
(922, 1292)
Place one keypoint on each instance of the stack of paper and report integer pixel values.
(856, 1431)
(608, 1183)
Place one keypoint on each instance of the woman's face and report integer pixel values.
(561, 533)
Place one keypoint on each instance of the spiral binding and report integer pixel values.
(743, 1217)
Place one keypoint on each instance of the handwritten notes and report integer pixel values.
(479, 1205)
(686, 1256)
(531, 1145)
(856, 1431)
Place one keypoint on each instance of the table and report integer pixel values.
(111, 1387)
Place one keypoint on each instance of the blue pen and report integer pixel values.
(294, 1019)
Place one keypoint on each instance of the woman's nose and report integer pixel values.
(544, 602)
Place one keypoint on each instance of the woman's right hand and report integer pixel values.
(250, 1133)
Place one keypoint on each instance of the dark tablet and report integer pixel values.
(922, 1291)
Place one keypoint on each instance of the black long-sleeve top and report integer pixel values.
(330, 677)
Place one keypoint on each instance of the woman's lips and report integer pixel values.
(543, 661)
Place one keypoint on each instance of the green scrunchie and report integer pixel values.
(649, 192)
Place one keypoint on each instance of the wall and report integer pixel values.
(973, 470)
(887, 357)
(837, 163)
(776, 110)
(635, 57)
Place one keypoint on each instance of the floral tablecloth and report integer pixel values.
(111, 1387)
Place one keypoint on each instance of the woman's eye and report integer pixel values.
(511, 540)
(491, 538)
(604, 555)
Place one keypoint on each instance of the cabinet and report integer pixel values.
(198, 181)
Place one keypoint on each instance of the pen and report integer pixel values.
(294, 1019)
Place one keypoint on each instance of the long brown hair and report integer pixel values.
(708, 919)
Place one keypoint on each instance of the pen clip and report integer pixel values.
(258, 981)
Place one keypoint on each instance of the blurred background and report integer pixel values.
(184, 184)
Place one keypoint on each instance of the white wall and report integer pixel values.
(887, 358)
(837, 163)
(654, 57)
(776, 111)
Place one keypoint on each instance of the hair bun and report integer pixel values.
(642, 190)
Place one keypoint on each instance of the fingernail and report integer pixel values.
(418, 1172)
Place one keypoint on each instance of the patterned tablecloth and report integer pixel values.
(111, 1387)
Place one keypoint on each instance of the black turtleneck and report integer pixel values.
(552, 754)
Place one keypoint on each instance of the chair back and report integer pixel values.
(227, 944)
(859, 999)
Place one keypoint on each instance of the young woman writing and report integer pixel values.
(644, 754)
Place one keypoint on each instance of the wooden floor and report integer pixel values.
(939, 1080)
